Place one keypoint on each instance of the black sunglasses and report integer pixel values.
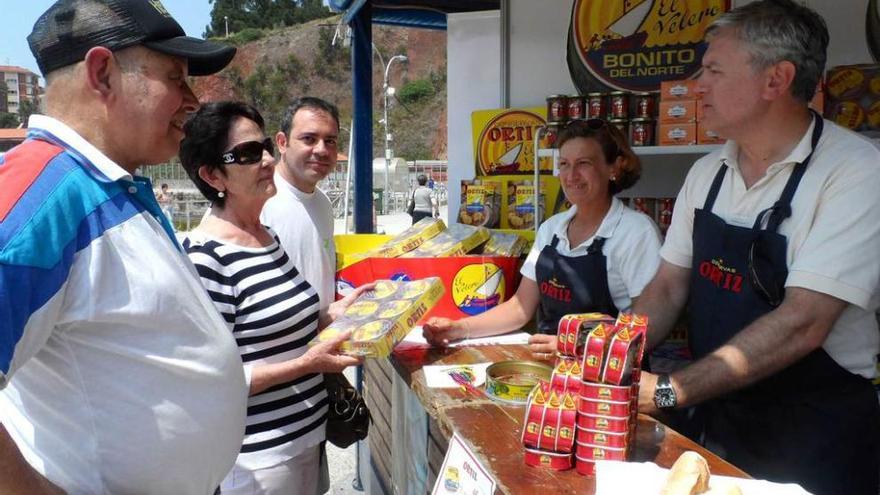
(248, 153)
(761, 273)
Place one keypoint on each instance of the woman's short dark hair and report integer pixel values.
(613, 144)
(206, 139)
(422, 179)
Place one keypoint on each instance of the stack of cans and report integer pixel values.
(608, 404)
(598, 370)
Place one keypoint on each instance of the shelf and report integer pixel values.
(694, 149)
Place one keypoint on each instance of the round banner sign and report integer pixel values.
(633, 45)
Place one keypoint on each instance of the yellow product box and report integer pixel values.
(381, 317)
(504, 244)
(480, 203)
(411, 238)
(521, 211)
(456, 240)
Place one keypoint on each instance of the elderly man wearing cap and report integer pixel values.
(117, 373)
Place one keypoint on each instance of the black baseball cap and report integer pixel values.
(70, 28)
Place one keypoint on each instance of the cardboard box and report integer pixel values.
(676, 134)
(380, 318)
(678, 111)
(707, 136)
(678, 90)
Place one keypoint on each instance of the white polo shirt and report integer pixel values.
(631, 249)
(118, 374)
(833, 233)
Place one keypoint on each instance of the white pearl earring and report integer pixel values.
(221, 194)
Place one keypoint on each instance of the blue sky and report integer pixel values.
(17, 18)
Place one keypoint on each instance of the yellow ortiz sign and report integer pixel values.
(633, 45)
(504, 141)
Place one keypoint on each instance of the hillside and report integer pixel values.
(300, 60)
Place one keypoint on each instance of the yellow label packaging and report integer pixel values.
(456, 240)
(380, 318)
(409, 239)
(504, 244)
(480, 203)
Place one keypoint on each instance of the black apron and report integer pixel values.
(813, 423)
(571, 284)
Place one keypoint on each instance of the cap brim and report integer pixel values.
(203, 57)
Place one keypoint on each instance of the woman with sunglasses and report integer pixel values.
(595, 257)
(269, 307)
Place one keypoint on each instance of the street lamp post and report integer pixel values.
(389, 153)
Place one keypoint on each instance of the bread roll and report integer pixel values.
(688, 476)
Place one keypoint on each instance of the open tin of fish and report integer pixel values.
(512, 381)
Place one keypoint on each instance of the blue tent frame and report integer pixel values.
(360, 15)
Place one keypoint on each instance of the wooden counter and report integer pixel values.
(493, 429)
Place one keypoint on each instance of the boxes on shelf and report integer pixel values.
(676, 134)
(521, 211)
(685, 89)
(678, 111)
(480, 203)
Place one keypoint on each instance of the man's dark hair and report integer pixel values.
(422, 179)
(311, 103)
(206, 140)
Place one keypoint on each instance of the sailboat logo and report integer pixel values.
(478, 287)
(634, 44)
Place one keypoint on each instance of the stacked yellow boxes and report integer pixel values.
(381, 317)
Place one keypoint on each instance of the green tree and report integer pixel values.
(8, 120)
(28, 107)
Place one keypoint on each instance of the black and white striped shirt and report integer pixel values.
(273, 314)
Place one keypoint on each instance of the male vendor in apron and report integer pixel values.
(775, 249)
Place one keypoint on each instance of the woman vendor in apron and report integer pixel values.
(595, 257)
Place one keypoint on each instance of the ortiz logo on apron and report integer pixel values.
(724, 277)
(633, 45)
(554, 290)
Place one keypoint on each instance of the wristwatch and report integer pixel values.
(664, 394)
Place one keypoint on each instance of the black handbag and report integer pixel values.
(348, 419)
(411, 204)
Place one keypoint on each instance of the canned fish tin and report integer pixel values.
(596, 422)
(618, 105)
(624, 353)
(603, 391)
(553, 460)
(576, 107)
(599, 453)
(595, 348)
(597, 106)
(585, 467)
(511, 381)
(622, 124)
(603, 438)
(557, 106)
(604, 407)
(644, 105)
(641, 132)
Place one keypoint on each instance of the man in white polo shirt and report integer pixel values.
(117, 373)
(775, 245)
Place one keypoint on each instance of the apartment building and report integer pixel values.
(21, 84)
